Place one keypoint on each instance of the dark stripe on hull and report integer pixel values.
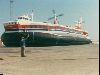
(40, 39)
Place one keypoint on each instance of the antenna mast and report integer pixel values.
(32, 15)
(11, 9)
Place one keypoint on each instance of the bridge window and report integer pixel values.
(19, 17)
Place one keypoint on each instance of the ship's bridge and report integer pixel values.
(24, 18)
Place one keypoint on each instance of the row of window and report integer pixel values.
(24, 18)
(49, 27)
(11, 23)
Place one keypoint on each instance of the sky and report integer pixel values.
(72, 10)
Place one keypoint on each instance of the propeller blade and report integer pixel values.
(55, 15)
(53, 11)
(50, 18)
(59, 15)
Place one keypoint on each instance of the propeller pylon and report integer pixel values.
(55, 17)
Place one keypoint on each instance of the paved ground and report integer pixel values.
(54, 60)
